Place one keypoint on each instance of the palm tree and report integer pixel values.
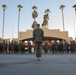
(75, 16)
(19, 7)
(47, 11)
(34, 7)
(62, 7)
(4, 7)
(75, 9)
(34, 14)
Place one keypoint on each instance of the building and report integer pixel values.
(49, 34)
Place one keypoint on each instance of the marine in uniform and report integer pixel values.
(38, 36)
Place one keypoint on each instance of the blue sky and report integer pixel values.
(26, 20)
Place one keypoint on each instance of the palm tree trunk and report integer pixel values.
(74, 28)
(18, 21)
(75, 14)
(75, 22)
(3, 23)
(63, 20)
(34, 19)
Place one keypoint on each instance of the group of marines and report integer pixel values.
(60, 47)
(55, 47)
(13, 47)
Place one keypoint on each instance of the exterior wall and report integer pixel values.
(25, 35)
(47, 32)
(55, 33)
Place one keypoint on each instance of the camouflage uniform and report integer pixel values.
(29, 47)
(38, 36)
(46, 47)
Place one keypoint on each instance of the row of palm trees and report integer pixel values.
(35, 15)
(20, 7)
(4, 8)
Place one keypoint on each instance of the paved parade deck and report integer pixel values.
(26, 64)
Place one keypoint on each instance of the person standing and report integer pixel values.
(12, 45)
(29, 47)
(46, 47)
(9, 47)
(1, 47)
(38, 36)
(4, 46)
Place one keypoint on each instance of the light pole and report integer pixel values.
(62, 7)
(75, 18)
(4, 7)
(19, 7)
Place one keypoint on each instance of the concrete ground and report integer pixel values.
(26, 64)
